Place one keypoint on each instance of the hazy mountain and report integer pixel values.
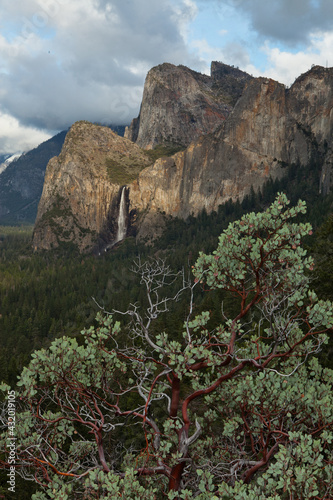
(21, 183)
(6, 160)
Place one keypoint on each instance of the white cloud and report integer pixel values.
(14, 137)
(185, 12)
(285, 66)
(63, 61)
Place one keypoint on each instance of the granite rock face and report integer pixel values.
(244, 151)
(269, 127)
(179, 105)
(310, 103)
(82, 186)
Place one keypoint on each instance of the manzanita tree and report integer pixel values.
(228, 412)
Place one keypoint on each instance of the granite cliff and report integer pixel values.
(21, 183)
(81, 191)
(268, 128)
(310, 104)
(179, 105)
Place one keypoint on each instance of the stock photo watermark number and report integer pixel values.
(11, 440)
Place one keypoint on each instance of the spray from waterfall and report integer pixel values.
(121, 232)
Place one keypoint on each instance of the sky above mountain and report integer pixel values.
(63, 61)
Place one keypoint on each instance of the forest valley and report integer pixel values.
(199, 367)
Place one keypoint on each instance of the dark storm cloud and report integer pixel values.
(85, 59)
(288, 21)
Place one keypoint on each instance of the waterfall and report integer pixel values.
(121, 222)
(121, 233)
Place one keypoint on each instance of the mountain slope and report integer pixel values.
(6, 160)
(269, 128)
(21, 183)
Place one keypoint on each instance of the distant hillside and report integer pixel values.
(5, 160)
(21, 183)
(4, 157)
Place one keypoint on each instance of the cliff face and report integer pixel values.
(269, 127)
(247, 149)
(82, 185)
(179, 105)
(310, 103)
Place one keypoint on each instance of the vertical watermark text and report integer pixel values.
(11, 439)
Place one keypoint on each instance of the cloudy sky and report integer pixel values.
(67, 60)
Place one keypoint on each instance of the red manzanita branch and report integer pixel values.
(249, 473)
(208, 390)
(175, 395)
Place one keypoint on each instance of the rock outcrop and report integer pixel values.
(179, 105)
(269, 128)
(82, 185)
(310, 104)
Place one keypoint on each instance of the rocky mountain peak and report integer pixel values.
(179, 104)
(229, 81)
(99, 176)
(81, 183)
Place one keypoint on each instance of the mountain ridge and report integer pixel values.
(269, 128)
(21, 182)
(180, 104)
